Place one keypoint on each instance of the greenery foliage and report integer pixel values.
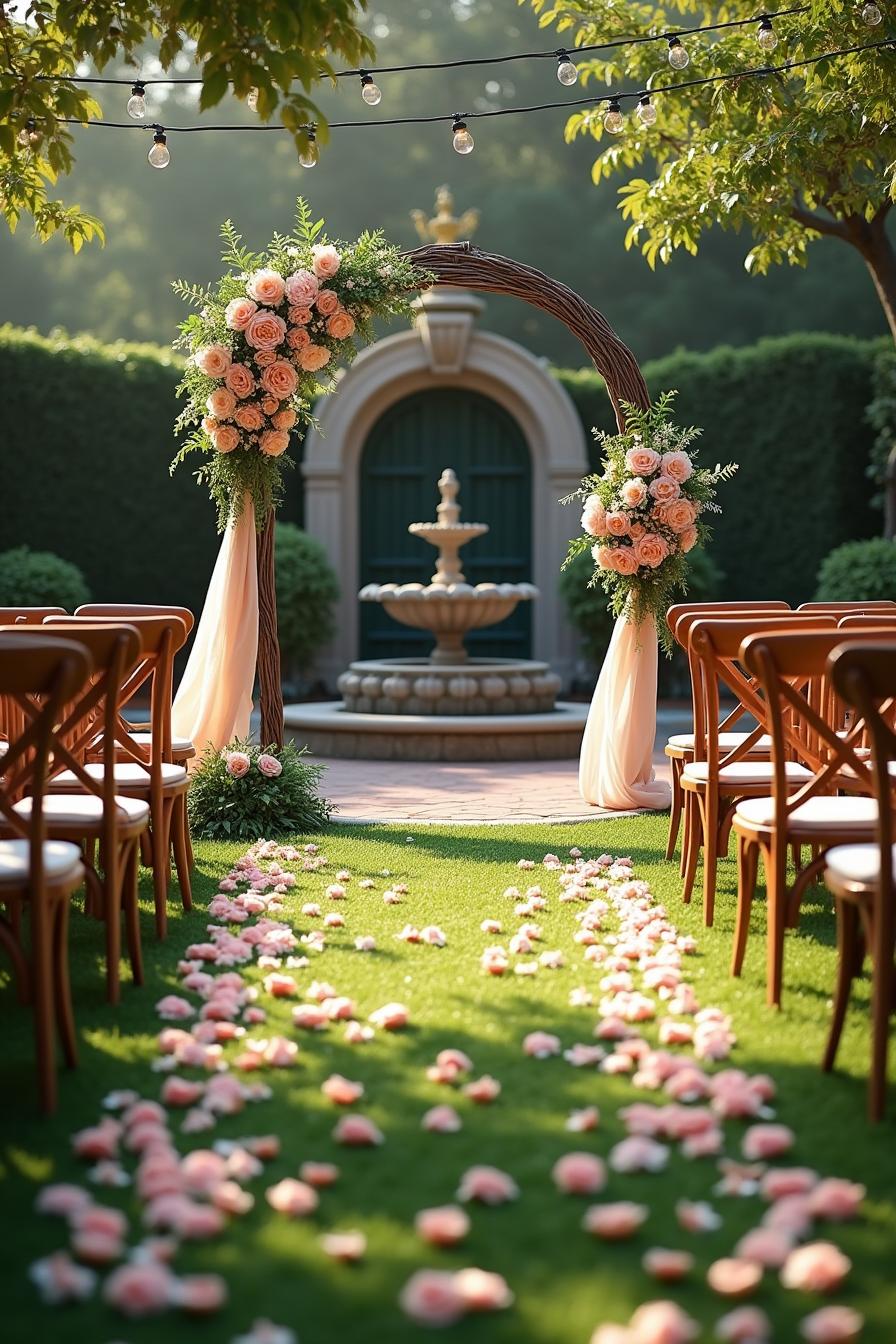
(306, 593)
(882, 418)
(40, 579)
(224, 805)
(860, 571)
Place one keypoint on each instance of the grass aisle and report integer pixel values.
(565, 1282)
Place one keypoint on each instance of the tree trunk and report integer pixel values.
(880, 258)
(270, 691)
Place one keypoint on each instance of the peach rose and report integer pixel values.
(734, 1277)
(642, 461)
(634, 493)
(357, 1131)
(238, 313)
(325, 260)
(651, 550)
(679, 514)
(744, 1325)
(297, 338)
(579, 1174)
(294, 1198)
(139, 1289)
(832, 1325)
(274, 442)
(249, 418)
(298, 314)
(594, 517)
(663, 489)
(636, 530)
(481, 1290)
(266, 286)
(688, 539)
(614, 1222)
(617, 523)
(269, 405)
(269, 765)
(327, 302)
(213, 360)
(301, 290)
(263, 358)
(284, 419)
(604, 557)
(225, 438)
(314, 357)
(265, 330)
(341, 325)
(238, 764)
(221, 403)
(280, 379)
(487, 1185)
(819, 1267)
(209, 424)
(678, 466)
(431, 1297)
(240, 381)
(626, 561)
(445, 1225)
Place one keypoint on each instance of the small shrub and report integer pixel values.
(40, 579)
(881, 416)
(860, 571)
(306, 593)
(236, 794)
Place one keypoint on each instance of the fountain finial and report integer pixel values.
(444, 227)
(449, 486)
(449, 533)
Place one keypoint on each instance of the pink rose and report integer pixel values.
(327, 302)
(213, 360)
(431, 1297)
(249, 418)
(341, 1091)
(819, 1267)
(625, 560)
(579, 1174)
(481, 1290)
(139, 1289)
(269, 765)
(617, 523)
(266, 286)
(445, 1225)
(614, 1222)
(642, 461)
(314, 357)
(301, 290)
(832, 1325)
(663, 489)
(678, 514)
(651, 550)
(594, 517)
(299, 315)
(240, 381)
(319, 1174)
(678, 466)
(265, 330)
(357, 1131)
(284, 419)
(297, 338)
(280, 379)
(238, 313)
(221, 403)
(441, 1120)
(225, 438)
(666, 1265)
(341, 325)
(662, 1323)
(634, 493)
(734, 1277)
(744, 1325)
(325, 260)
(237, 763)
(294, 1198)
(487, 1185)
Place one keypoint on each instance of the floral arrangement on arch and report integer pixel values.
(246, 790)
(645, 512)
(267, 340)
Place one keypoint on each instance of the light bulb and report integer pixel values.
(567, 71)
(159, 156)
(463, 141)
(646, 112)
(310, 155)
(767, 37)
(370, 92)
(137, 102)
(29, 136)
(252, 100)
(614, 121)
(871, 14)
(678, 55)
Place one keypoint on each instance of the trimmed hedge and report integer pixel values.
(40, 579)
(791, 411)
(859, 571)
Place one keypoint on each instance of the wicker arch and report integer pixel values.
(464, 267)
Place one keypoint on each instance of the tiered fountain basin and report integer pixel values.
(476, 686)
(448, 610)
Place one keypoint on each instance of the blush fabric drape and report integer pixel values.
(616, 763)
(213, 704)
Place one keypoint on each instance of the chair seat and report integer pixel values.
(746, 772)
(83, 808)
(60, 859)
(819, 813)
(128, 775)
(859, 864)
(177, 743)
(727, 742)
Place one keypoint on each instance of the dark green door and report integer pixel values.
(401, 463)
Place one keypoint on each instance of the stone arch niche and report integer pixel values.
(447, 351)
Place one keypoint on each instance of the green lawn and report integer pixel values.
(565, 1282)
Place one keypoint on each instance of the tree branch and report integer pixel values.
(831, 227)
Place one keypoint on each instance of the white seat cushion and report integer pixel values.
(823, 814)
(177, 743)
(60, 859)
(747, 772)
(857, 863)
(77, 808)
(727, 742)
(127, 773)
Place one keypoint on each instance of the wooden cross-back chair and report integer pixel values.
(145, 770)
(96, 815)
(845, 608)
(37, 874)
(804, 719)
(722, 770)
(862, 878)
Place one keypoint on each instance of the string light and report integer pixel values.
(370, 92)
(678, 54)
(137, 102)
(463, 141)
(252, 100)
(614, 121)
(766, 37)
(159, 155)
(871, 14)
(29, 135)
(310, 155)
(567, 71)
(646, 112)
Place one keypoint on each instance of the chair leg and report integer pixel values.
(65, 1018)
(848, 963)
(179, 836)
(881, 1008)
(692, 848)
(687, 804)
(132, 913)
(42, 980)
(675, 814)
(191, 862)
(709, 807)
(776, 903)
(161, 864)
(747, 865)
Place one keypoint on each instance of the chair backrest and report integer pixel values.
(846, 607)
(881, 619)
(804, 712)
(28, 615)
(680, 609)
(123, 611)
